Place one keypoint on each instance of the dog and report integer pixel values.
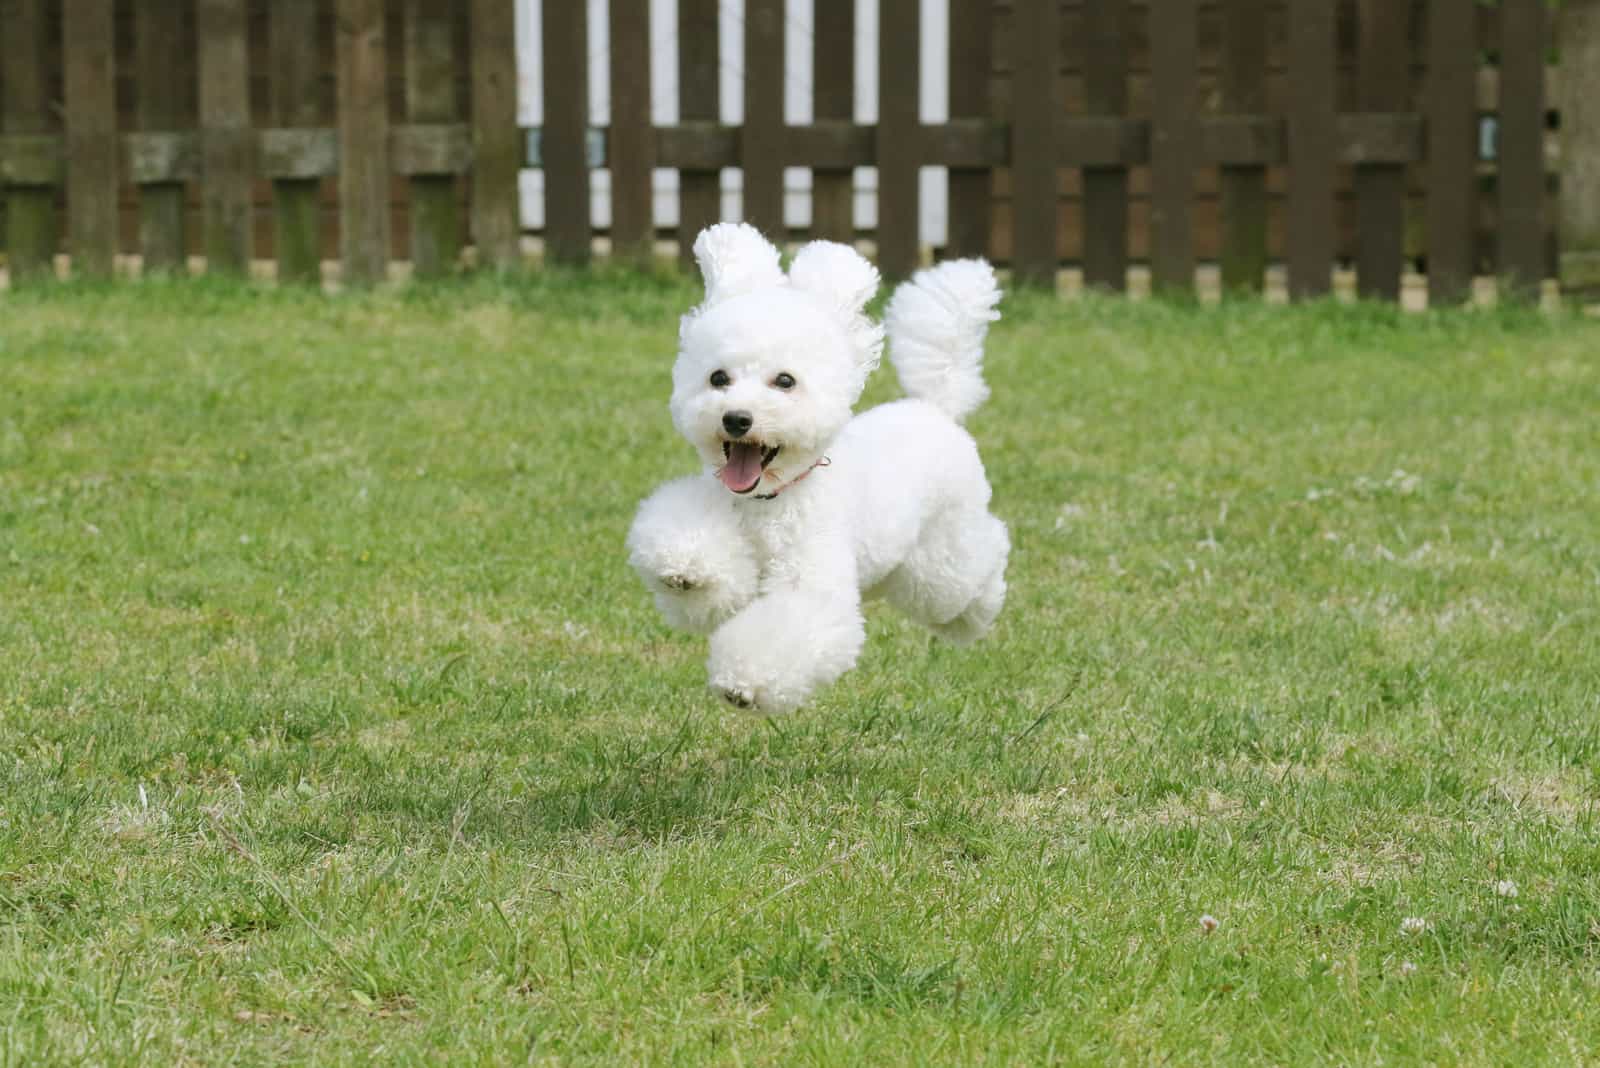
(803, 509)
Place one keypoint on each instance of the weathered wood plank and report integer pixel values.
(1522, 167)
(32, 228)
(496, 141)
(1387, 140)
(971, 64)
(296, 106)
(963, 144)
(1243, 143)
(763, 142)
(1313, 147)
(297, 154)
(89, 58)
(431, 99)
(31, 160)
(567, 230)
(1104, 35)
(226, 142)
(164, 107)
(1244, 186)
(157, 159)
(363, 141)
(1173, 144)
(1034, 153)
(899, 135)
(833, 88)
(1452, 149)
(699, 56)
(632, 142)
(438, 150)
(698, 147)
(1090, 141)
(1580, 141)
(1381, 187)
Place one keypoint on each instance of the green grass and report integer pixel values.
(334, 728)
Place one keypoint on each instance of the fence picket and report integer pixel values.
(1105, 37)
(633, 142)
(1035, 108)
(431, 99)
(227, 143)
(1580, 148)
(89, 58)
(564, 142)
(31, 234)
(164, 105)
(1522, 170)
(1244, 187)
(363, 140)
(899, 135)
(1452, 148)
(762, 139)
(497, 145)
(971, 61)
(1384, 68)
(1172, 144)
(699, 56)
(834, 99)
(296, 102)
(1313, 147)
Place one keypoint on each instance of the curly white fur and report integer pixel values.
(939, 323)
(803, 509)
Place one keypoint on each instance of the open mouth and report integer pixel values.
(747, 460)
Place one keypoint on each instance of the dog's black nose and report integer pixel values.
(737, 424)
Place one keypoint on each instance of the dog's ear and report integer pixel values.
(734, 258)
(842, 278)
(837, 273)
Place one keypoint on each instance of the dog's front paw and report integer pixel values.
(742, 699)
(752, 690)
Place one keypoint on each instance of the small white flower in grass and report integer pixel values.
(1505, 888)
(1407, 967)
(1413, 925)
(1067, 514)
(1208, 923)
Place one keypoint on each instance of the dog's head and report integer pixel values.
(769, 365)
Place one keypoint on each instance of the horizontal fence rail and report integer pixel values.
(1081, 126)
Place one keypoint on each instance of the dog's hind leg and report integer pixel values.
(990, 547)
(687, 547)
(953, 581)
(977, 619)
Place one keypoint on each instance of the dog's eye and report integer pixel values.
(720, 379)
(784, 381)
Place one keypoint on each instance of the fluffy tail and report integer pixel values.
(936, 323)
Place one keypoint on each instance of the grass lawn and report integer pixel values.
(334, 728)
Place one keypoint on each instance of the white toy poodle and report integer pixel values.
(803, 510)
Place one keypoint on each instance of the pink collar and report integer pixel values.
(822, 461)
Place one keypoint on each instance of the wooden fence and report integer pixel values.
(1044, 94)
(69, 50)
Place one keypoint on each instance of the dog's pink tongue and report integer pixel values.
(743, 469)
